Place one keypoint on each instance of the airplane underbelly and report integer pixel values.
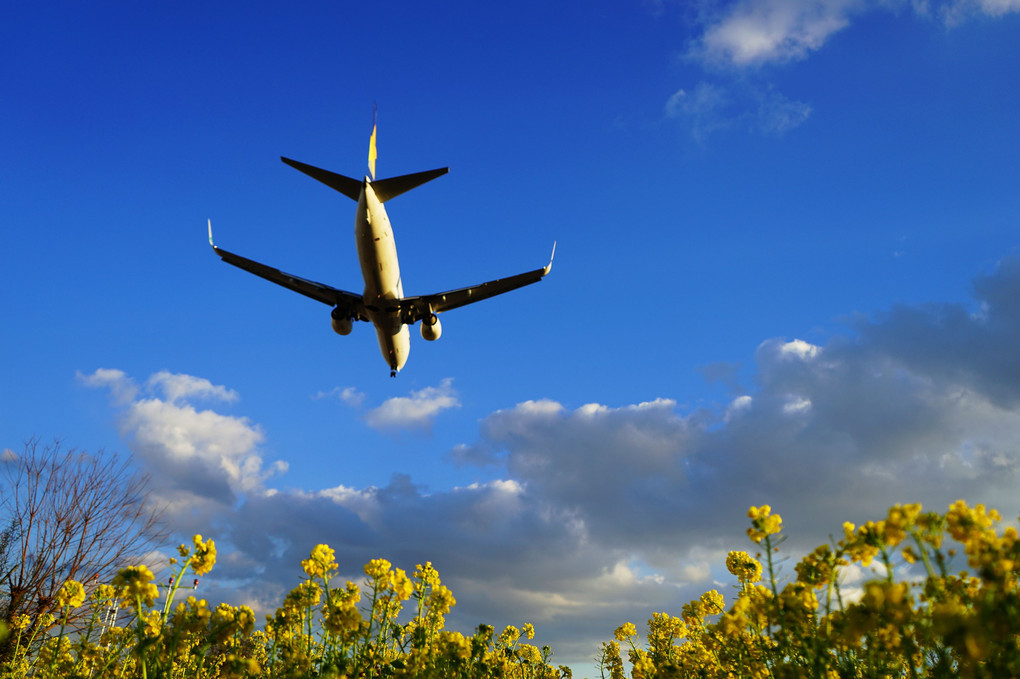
(377, 253)
(395, 346)
(379, 265)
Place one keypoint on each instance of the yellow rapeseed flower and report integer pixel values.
(71, 595)
(134, 584)
(763, 523)
(964, 523)
(426, 574)
(341, 616)
(203, 557)
(509, 636)
(321, 563)
(377, 569)
(711, 603)
(900, 520)
(818, 568)
(440, 600)
(625, 631)
(401, 585)
(454, 645)
(747, 569)
(153, 623)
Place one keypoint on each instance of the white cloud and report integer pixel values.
(177, 387)
(199, 461)
(751, 33)
(709, 108)
(754, 32)
(957, 11)
(776, 114)
(415, 411)
(704, 109)
(347, 395)
(799, 349)
(736, 406)
(738, 39)
(122, 388)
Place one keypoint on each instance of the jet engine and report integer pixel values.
(342, 324)
(431, 328)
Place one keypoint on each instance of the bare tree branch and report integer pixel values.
(68, 515)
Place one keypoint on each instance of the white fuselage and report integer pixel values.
(377, 253)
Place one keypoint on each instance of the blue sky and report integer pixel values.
(787, 271)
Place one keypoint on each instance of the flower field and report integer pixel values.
(945, 603)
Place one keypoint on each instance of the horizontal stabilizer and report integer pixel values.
(345, 185)
(394, 186)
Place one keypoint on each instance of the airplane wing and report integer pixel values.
(414, 309)
(350, 302)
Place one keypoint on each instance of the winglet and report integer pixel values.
(210, 235)
(546, 270)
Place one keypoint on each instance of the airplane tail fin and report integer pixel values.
(372, 153)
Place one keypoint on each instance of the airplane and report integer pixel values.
(382, 303)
